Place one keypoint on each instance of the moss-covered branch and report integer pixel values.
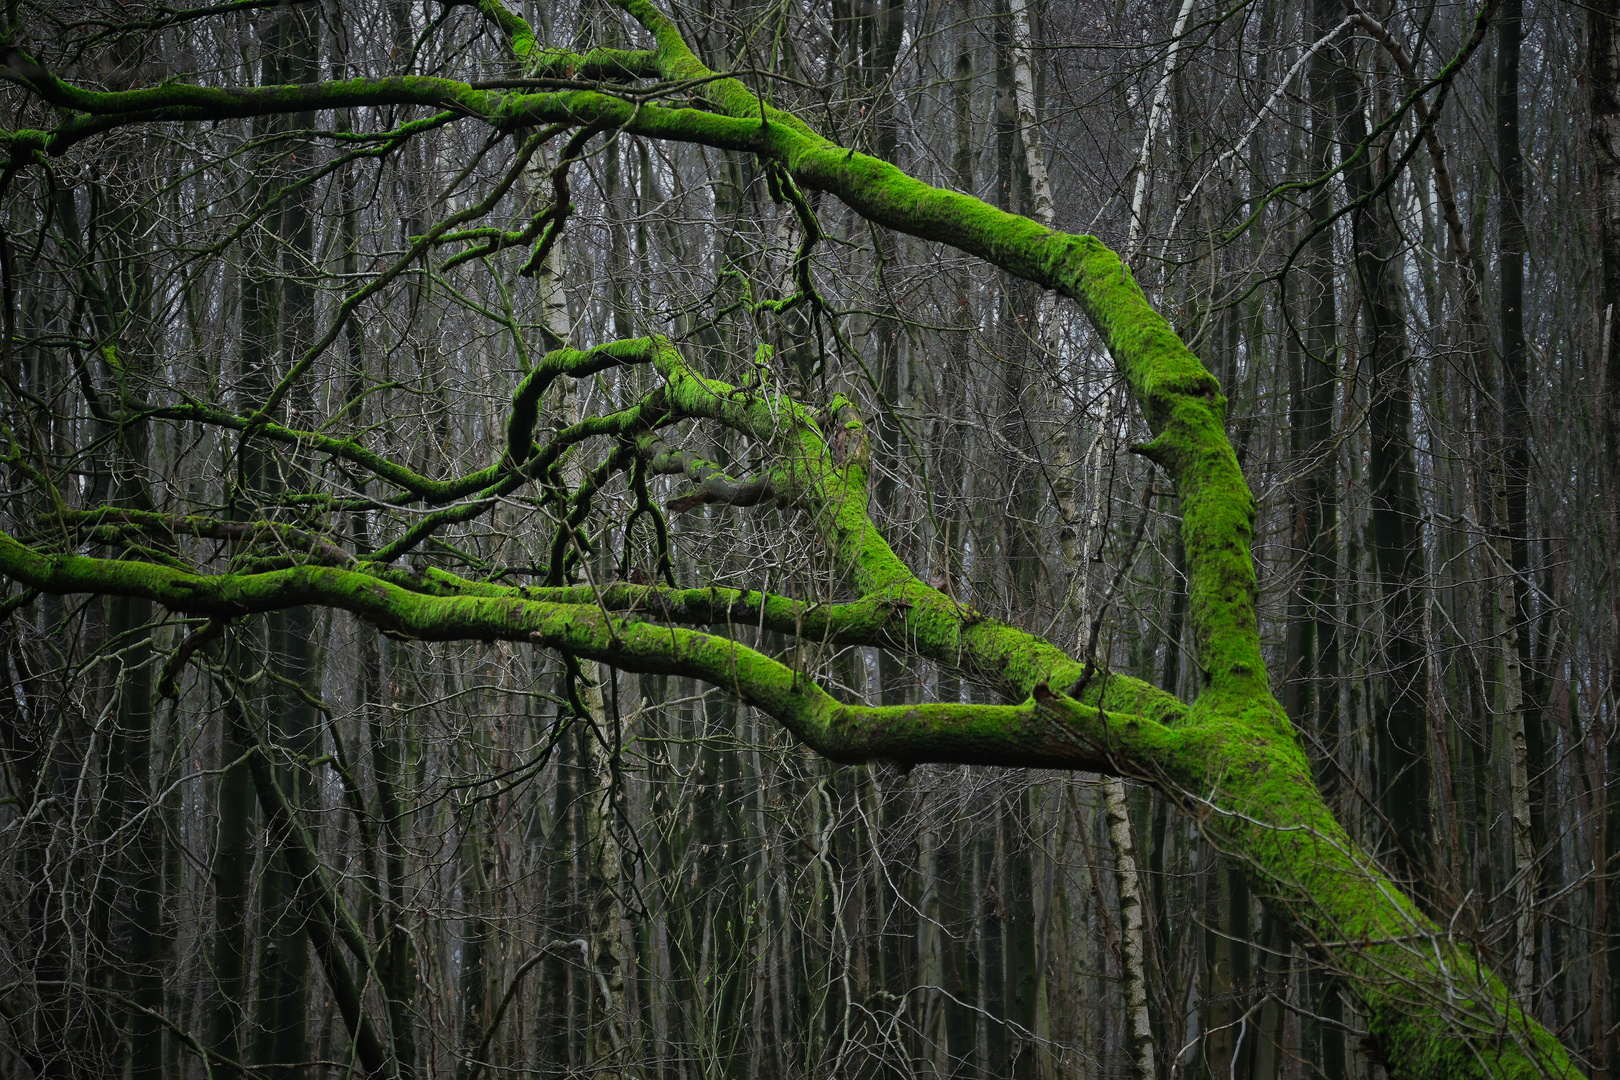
(861, 622)
(822, 465)
(712, 484)
(1050, 732)
(539, 61)
(1233, 757)
(110, 524)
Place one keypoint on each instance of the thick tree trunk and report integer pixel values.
(1603, 144)
(1528, 724)
(1313, 646)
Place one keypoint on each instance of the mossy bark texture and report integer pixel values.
(1232, 757)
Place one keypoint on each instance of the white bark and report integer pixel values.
(1248, 132)
(1137, 1024)
(1144, 160)
(1132, 944)
(1524, 852)
(1028, 129)
(1029, 132)
(605, 954)
(553, 304)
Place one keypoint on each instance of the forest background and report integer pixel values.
(1390, 234)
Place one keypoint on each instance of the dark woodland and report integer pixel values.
(782, 539)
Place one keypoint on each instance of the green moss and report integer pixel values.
(598, 64)
(573, 363)
(828, 475)
(516, 30)
(1065, 733)
(1233, 759)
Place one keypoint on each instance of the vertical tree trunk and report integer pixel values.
(479, 960)
(1133, 946)
(1138, 1029)
(1525, 721)
(1401, 774)
(277, 318)
(556, 1028)
(1317, 644)
(604, 906)
(930, 1015)
(1141, 196)
(1603, 143)
(1311, 694)
(396, 958)
(132, 744)
(123, 321)
(233, 856)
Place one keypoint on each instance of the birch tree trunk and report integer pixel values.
(1132, 944)
(1138, 1027)
(1142, 191)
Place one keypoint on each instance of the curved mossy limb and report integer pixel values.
(861, 622)
(1234, 758)
(109, 524)
(1434, 1007)
(711, 482)
(823, 465)
(574, 363)
(1047, 732)
(540, 61)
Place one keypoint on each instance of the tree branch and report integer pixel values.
(1050, 732)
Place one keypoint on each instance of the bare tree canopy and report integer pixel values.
(475, 478)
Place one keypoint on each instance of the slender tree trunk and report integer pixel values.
(1320, 362)
(1141, 196)
(477, 957)
(126, 303)
(1133, 946)
(604, 907)
(1603, 145)
(1138, 1029)
(396, 958)
(233, 856)
(1401, 736)
(1525, 721)
(129, 619)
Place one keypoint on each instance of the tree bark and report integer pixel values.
(1402, 774)
(1232, 758)
(1138, 1027)
(1603, 147)
(233, 857)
